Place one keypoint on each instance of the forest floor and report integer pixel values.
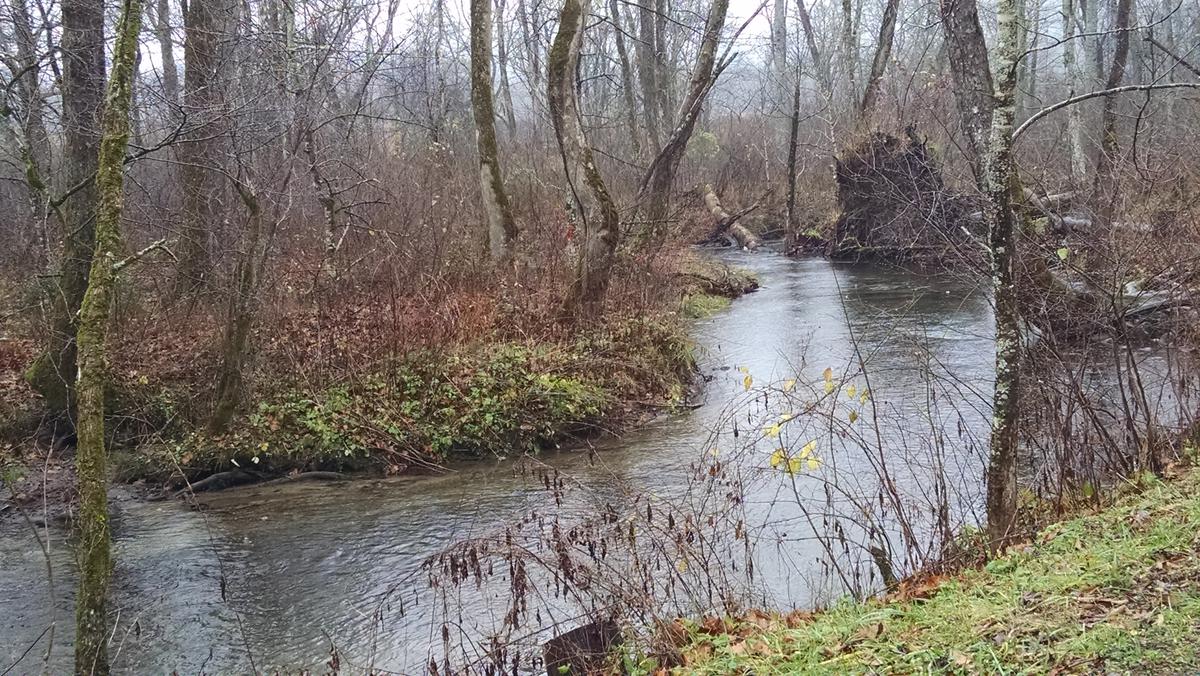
(506, 389)
(1115, 591)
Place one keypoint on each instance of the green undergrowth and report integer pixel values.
(1113, 592)
(709, 286)
(487, 399)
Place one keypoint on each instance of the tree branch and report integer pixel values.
(1096, 94)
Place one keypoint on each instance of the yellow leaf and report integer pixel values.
(778, 457)
(828, 374)
(745, 370)
(681, 565)
(747, 382)
(851, 391)
(853, 417)
(789, 384)
(143, 380)
(808, 449)
(814, 464)
(786, 417)
(773, 431)
(863, 398)
(794, 465)
(263, 446)
(828, 386)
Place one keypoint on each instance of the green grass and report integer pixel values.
(703, 305)
(1114, 592)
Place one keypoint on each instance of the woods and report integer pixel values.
(278, 238)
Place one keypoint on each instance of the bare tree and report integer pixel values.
(502, 229)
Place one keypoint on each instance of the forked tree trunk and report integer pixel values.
(502, 229)
(654, 193)
(53, 373)
(34, 140)
(235, 345)
(95, 564)
(600, 223)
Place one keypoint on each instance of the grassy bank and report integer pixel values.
(1113, 592)
(487, 386)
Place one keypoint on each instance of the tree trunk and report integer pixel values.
(53, 373)
(654, 193)
(849, 48)
(95, 565)
(235, 345)
(725, 224)
(502, 230)
(820, 64)
(1105, 187)
(35, 140)
(1002, 189)
(198, 151)
(510, 111)
(648, 73)
(166, 54)
(585, 298)
(1074, 119)
(883, 52)
(627, 84)
(779, 39)
(793, 139)
(969, 70)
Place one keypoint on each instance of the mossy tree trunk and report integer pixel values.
(53, 373)
(502, 229)
(585, 298)
(91, 620)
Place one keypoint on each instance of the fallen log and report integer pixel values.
(726, 225)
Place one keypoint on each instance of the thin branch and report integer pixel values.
(1096, 94)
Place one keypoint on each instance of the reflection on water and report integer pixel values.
(268, 577)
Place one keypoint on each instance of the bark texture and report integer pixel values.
(502, 229)
(654, 193)
(94, 558)
(971, 74)
(1002, 188)
(204, 27)
(53, 373)
(585, 298)
(883, 52)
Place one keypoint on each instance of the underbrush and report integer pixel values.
(1116, 591)
(487, 399)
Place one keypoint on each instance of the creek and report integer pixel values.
(268, 577)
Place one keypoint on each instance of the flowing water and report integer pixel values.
(268, 577)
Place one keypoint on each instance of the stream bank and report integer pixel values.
(1117, 591)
